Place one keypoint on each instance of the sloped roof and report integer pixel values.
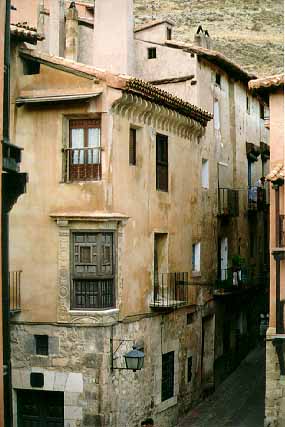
(277, 173)
(215, 57)
(122, 82)
(151, 24)
(267, 83)
(24, 32)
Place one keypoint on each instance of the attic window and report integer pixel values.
(30, 67)
(169, 34)
(151, 52)
(218, 79)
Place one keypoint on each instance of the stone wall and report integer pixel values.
(79, 365)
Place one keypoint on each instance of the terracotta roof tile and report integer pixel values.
(215, 57)
(267, 83)
(277, 173)
(23, 32)
(123, 82)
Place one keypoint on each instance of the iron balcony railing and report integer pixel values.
(228, 202)
(257, 198)
(281, 231)
(11, 157)
(170, 290)
(15, 291)
(92, 294)
(237, 278)
(83, 164)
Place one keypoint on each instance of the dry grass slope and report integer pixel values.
(248, 31)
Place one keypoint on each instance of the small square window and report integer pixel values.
(133, 147)
(196, 252)
(189, 368)
(151, 52)
(41, 345)
(218, 79)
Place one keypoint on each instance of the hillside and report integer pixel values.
(250, 32)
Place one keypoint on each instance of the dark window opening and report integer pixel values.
(261, 110)
(41, 345)
(30, 67)
(190, 318)
(151, 52)
(133, 147)
(169, 33)
(189, 369)
(167, 380)
(218, 79)
(83, 156)
(161, 162)
(93, 272)
(247, 104)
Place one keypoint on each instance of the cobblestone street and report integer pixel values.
(238, 402)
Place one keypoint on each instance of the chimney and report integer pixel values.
(71, 33)
(202, 38)
(56, 27)
(114, 36)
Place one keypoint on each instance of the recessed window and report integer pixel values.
(161, 162)
(169, 33)
(190, 318)
(83, 156)
(205, 173)
(218, 79)
(261, 110)
(30, 67)
(41, 345)
(151, 52)
(92, 284)
(196, 252)
(133, 147)
(216, 115)
(247, 104)
(167, 379)
(189, 368)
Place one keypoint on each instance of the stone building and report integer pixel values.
(143, 222)
(272, 90)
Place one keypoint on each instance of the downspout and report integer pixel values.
(5, 233)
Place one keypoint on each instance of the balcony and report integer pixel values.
(83, 164)
(11, 157)
(15, 291)
(234, 279)
(257, 199)
(228, 202)
(171, 290)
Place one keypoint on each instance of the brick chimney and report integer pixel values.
(202, 38)
(71, 33)
(114, 36)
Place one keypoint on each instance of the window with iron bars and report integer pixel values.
(93, 271)
(82, 157)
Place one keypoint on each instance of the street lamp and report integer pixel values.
(134, 359)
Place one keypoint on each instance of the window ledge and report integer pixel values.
(167, 404)
(196, 274)
(102, 312)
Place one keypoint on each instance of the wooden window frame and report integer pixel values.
(161, 163)
(167, 376)
(86, 170)
(132, 146)
(86, 284)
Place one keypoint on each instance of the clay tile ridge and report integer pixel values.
(277, 173)
(25, 32)
(151, 24)
(270, 82)
(231, 67)
(124, 82)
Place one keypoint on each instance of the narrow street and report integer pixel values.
(239, 400)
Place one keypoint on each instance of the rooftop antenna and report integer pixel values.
(153, 5)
